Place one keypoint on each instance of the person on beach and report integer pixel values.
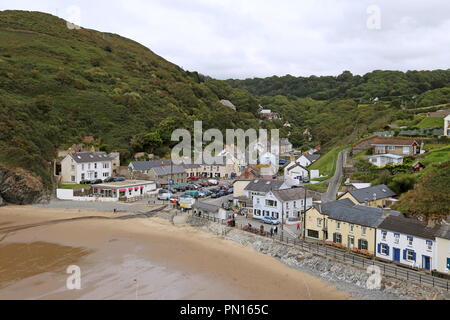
(271, 232)
(276, 230)
(298, 226)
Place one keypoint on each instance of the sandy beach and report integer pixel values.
(136, 259)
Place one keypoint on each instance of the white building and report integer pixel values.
(87, 166)
(382, 160)
(285, 205)
(307, 159)
(110, 192)
(294, 173)
(443, 250)
(408, 242)
(447, 126)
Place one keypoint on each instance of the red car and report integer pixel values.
(194, 178)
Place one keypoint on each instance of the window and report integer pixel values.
(385, 249)
(410, 241)
(96, 175)
(383, 235)
(257, 200)
(258, 213)
(287, 205)
(363, 245)
(106, 166)
(338, 225)
(397, 238)
(337, 238)
(82, 167)
(319, 222)
(95, 165)
(405, 150)
(73, 167)
(313, 234)
(105, 175)
(271, 203)
(73, 178)
(391, 148)
(275, 215)
(82, 176)
(364, 231)
(295, 204)
(352, 227)
(429, 245)
(267, 213)
(410, 255)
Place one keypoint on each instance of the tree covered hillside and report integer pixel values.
(58, 85)
(387, 85)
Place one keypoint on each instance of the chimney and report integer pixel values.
(385, 212)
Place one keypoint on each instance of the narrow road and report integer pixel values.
(335, 182)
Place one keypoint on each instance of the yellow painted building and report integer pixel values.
(346, 225)
(377, 196)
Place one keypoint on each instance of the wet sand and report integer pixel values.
(138, 259)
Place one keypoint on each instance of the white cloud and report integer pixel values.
(247, 38)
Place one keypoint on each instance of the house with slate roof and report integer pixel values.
(286, 205)
(344, 224)
(375, 196)
(79, 166)
(408, 242)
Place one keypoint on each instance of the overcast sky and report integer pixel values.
(260, 38)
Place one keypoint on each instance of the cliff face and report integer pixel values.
(17, 186)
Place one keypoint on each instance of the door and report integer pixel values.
(396, 255)
(351, 242)
(426, 262)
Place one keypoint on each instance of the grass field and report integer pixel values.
(431, 123)
(319, 187)
(327, 163)
(73, 186)
(437, 155)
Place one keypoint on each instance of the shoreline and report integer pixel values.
(168, 262)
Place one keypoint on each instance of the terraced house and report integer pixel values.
(344, 224)
(409, 242)
(376, 196)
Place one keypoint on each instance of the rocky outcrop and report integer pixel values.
(18, 186)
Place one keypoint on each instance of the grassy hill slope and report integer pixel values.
(58, 85)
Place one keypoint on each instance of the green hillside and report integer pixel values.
(58, 85)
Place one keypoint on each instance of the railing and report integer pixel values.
(341, 255)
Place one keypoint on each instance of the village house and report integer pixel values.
(240, 196)
(168, 175)
(285, 205)
(144, 167)
(375, 196)
(405, 147)
(346, 225)
(76, 167)
(294, 173)
(447, 126)
(192, 170)
(269, 115)
(442, 263)
(408, 242)
(286, 146)
(307, 159)
(260, 188)
(382, 160)
(210, 210)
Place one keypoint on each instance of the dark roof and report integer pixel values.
(372, 193)
(394, 142)
(410, 227)
(191, 166)
(85, 157)
(290, 194)
(444, 232)
(312, 157)
(346, 211)
(205, 206)
(167, 170)
(294, 166)
(147, 165)
(264, 185)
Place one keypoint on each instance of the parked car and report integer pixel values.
(110, 179)
(194, 178)
(270, 220)
(230, 191)
(215, 195)
(214, 190)
(119, 179)
(306, 180)
(165, 195)
(96, 181)
(213, 182)
(192, 194)
(207, 193)
(85, 182)
(221, 194)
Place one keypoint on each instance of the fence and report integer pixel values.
(340, 255)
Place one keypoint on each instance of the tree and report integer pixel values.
(429, 198)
